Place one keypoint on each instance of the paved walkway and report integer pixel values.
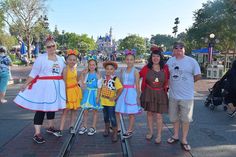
(212, 134)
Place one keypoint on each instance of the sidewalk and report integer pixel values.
(212, 133)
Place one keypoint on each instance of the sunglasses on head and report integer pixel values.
(50, 46)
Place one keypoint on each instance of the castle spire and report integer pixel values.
(110, 32)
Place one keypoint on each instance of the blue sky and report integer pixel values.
(142, 17)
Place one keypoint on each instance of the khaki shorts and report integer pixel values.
(180, 110)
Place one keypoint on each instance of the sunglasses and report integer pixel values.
(50, 46)
(178, 47)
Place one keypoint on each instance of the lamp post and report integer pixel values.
(163, 47)
(63, 38)
(45, 22)
(83, 47)
(63, 33)
(212, 40)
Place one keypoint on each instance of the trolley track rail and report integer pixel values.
(125, 144)
(68, 144)
(65, 150)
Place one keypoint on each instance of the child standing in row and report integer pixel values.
(73, 91)
(128, 102)
(111, 90)
(92, 80)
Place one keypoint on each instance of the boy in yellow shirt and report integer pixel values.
(109, 93)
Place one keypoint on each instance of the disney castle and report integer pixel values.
(106, 44)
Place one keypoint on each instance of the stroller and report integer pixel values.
(217, 94)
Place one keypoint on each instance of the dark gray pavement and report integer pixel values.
(212, 133)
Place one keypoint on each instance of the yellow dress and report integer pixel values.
(73, 91)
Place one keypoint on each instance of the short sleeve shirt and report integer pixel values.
(45, 67)
(181, 82)
(109, 90)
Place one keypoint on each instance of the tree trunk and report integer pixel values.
(28, 46)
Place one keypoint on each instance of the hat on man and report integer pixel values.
(114, 64)
(178, 44)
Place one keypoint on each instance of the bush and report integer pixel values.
(18, 62)
(13, 57)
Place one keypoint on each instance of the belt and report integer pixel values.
(91, 88)
(72, 86)
(44, 78)
(153, 88)
(129, 86)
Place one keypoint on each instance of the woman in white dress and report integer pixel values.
(44, 90)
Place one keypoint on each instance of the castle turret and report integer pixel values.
(110, 35)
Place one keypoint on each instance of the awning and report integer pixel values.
(203, 51)
(167, 53)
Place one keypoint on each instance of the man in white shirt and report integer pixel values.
(184, 71)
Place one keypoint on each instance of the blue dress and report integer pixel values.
(127, 101)
(90, 93)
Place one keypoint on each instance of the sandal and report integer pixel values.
(185, 147)
(158, 140)
(148, 136)
(118, 131)
(128, 134)
(172, 140)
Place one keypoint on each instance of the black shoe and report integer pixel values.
(118, 132)
(38, 139)
(51, 130)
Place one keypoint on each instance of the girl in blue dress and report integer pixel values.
(92, 82)
(128, 102)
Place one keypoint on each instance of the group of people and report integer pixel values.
(54, 84)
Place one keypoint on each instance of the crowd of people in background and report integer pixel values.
(167, 88)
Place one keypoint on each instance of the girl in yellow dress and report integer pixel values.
(73, 91)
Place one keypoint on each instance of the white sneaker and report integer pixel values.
(91, 131)
(72, 130)
(82, 130)
(58, 133)
(3, 101)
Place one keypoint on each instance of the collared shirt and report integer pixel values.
(109, 89)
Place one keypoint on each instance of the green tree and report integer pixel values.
(133, 42)
(1, 21)
(165, 40)
(24, 14)
(74, 41)
(216, 17)
(86, 43)
(56, 33)
(7, 40)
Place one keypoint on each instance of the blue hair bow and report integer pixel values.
(91, 57)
